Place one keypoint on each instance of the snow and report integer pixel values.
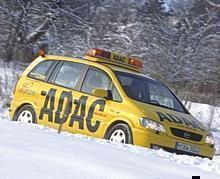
(34, 151)
(203, 112)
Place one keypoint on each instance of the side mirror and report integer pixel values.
(102, 93)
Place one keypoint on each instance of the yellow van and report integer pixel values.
(106, 95)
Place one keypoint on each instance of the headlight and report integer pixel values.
(148, 123)
(209, 139)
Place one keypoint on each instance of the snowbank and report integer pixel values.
(34, 151)
(205, 113)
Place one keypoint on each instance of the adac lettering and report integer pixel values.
(178, 120)
(78, 115)
(101, 104)
(67, 109)
(80, 107)
(119, 58)
(48, 107)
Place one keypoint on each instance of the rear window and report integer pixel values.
(41, 70)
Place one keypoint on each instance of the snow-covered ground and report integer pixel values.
(34, 151)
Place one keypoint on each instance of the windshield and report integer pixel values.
(148, 91)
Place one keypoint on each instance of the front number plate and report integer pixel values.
(187, 148)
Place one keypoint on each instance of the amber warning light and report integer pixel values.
(41, 52)
(135, 62)
(115, 57)
(95, 52)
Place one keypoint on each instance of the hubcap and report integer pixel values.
(118, 136)
(25, 117)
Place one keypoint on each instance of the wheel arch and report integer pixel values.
(118, 121)
(22, 105)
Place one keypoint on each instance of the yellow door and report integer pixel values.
(95, 107)
(88, 115)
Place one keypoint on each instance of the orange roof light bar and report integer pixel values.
(115, 58)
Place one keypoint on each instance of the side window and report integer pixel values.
(95, 79)
(40, 71)
(69, 74)
(115, 94)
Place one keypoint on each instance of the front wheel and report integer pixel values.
(25, 114)
(120, 133)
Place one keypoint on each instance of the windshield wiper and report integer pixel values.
(156, 103)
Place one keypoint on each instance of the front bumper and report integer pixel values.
(149, 138)
(172, 150)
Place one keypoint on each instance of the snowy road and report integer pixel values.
(33, 151)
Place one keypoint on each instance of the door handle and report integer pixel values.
(43, 93)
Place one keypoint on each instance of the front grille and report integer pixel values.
(186, 134)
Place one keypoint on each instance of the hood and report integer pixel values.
(171, 118)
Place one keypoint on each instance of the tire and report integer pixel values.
(120, 133)
(25, 114)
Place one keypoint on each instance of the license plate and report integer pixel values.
(187, 148)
